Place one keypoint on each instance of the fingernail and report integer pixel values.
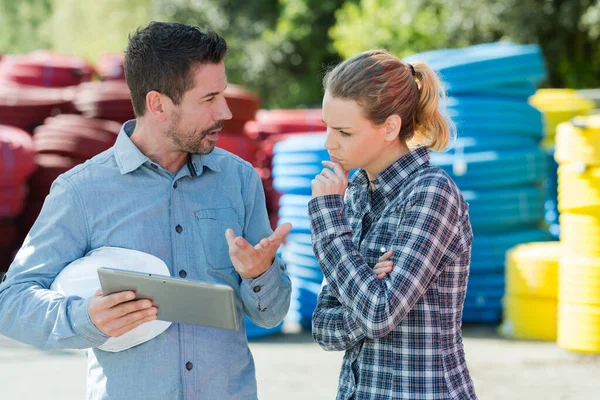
(130, 296)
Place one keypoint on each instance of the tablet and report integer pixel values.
(177, 300)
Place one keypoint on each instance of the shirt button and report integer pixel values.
(175, 185)
(189, 366)
(179, 229)
(256, 289)
(154, 166)
(182, 273)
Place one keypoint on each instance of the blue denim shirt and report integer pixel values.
(120, 198)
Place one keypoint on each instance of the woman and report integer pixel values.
(394, 243)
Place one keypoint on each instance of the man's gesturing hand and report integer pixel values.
(115, 314)
(251, 262)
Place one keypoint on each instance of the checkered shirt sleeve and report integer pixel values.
(427, 230)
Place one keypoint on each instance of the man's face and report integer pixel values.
(197, 120)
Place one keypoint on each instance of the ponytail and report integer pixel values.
(431, 128)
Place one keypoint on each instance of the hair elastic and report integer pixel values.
(412, 69)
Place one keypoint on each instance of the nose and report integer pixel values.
(329, 141)
(223, 111)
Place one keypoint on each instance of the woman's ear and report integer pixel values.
(393, 123)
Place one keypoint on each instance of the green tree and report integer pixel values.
(278, 48)
(302, 30)
(567, 31)
(407, 27)
(21, 23)
(91, 27)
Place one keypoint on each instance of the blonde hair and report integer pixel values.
(383, 85)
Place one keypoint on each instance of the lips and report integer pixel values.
(334, 159)
(213, 135)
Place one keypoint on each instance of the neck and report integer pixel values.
(156, 146)
(390, 155)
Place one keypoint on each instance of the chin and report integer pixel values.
(347, 166)
(207, 149)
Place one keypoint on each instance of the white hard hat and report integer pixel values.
(80, 278)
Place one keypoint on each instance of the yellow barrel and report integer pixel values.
(578, 141)
(558, 105)
(579, 327)
(529, 318)
(579, 189)
(579, 280)
(580, 235)
(532, 269)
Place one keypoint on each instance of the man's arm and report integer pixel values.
(266, 298)
(29, 311)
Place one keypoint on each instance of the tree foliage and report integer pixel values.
(567, 31)
(22, 25)
(91, 27)
(280, 48)
(277, 47)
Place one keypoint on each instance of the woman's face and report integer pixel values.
(352, 140)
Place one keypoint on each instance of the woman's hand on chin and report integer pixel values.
(330, 182)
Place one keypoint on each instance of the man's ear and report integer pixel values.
(393, 124)
(156, 105)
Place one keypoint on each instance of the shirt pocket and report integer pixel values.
(383, 236)
(212, 224)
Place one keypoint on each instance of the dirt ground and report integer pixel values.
(291, 366)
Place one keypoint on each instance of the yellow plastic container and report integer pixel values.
(580, 235)
(579, 327)
(532, 269)
(558, 105)
(578, 141)
(579, 280)
(529, 318)
(579, 189)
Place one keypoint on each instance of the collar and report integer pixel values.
(129, 157)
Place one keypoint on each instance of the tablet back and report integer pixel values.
(177, 300)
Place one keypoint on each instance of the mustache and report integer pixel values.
(218, 125)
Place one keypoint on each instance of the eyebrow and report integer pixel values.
(337, 128)
(213, 93)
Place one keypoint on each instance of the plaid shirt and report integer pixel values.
(402, 334)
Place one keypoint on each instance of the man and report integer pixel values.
(163, 189)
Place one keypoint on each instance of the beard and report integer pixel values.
(192, 142)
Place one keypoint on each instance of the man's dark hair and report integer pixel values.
(162, 57)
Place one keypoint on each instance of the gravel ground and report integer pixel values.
(291, 366)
